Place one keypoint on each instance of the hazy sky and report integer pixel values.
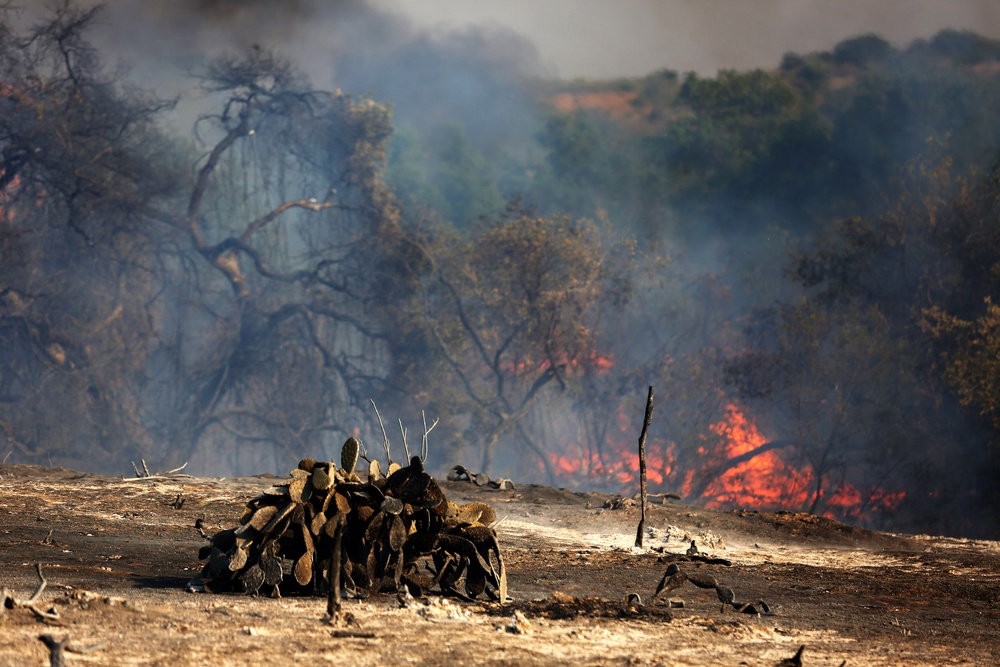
(409, 51)
(607, 38)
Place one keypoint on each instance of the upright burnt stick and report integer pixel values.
(642, 466)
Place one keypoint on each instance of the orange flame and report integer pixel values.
(592, 362)
(616, 465)
(763, 481)
(766, 481)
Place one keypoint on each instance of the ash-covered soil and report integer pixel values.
(117, 555)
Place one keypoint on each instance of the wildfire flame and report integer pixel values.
(763, 481)
(766, 481)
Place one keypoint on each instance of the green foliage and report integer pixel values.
(863, 51)
(962, 318)
(446, 173)
(905, 307)
(972, 368)
(658, 90)
(871, 135)
(959, 47)
(736, 96)
(809, 75)
(821, 138)
(748, 137)
(574, 144)
(591, 167)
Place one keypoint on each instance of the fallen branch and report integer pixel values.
(462, 474)
(8, 601)
(795, 660)
(674, 578)
(146, 476)
(352, 634)
(693, 554)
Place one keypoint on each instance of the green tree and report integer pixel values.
(747, 139)
(972, 367)
(863, 51)
(960, 47)
(893, 334)
(962, 317)
(593, 165)
(444, 173)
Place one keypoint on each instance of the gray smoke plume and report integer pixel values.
(472, 77)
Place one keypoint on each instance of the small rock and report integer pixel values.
(519, 624)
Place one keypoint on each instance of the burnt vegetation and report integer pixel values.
(327, 531)
(813, 246)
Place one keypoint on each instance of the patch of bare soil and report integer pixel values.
(117, 555)
(619, 105)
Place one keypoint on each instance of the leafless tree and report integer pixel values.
(77, 250)
(225, 311)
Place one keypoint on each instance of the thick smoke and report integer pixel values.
(472, 78)
(599, 39)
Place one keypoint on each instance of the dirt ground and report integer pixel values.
(116, 556)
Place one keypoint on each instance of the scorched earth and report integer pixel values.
(117, 555)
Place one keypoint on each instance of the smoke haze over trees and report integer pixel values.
(803, 260)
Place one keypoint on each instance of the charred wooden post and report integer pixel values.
(333, 574)
(642, 467)
(57, 648)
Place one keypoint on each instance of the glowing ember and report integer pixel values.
(593, 363)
